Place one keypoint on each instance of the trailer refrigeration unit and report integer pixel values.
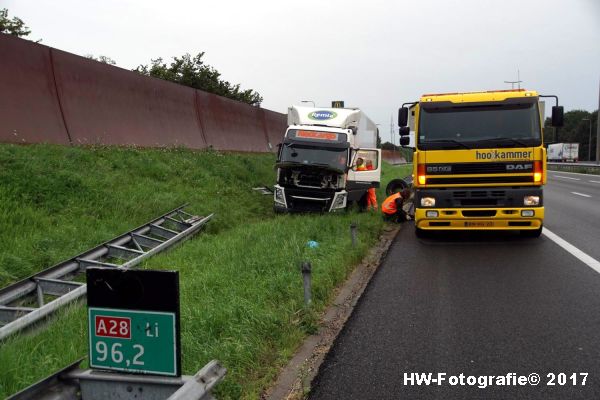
(563, 152)
(328, 159)
(479, 161)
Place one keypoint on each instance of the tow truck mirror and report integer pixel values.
(404, 130)
(404, 140)
(403, 116)
(557, 116)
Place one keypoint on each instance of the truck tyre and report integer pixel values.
(362, 203)
(395, 185)
(420, 233)
(532, 233)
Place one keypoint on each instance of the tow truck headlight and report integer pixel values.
(531, 201)
(427, 201)
(279, 196)
(339, 201)
(431, 214)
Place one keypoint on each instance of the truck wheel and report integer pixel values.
(395, 185)
(532, 233)
(362, 203)
(277, 210)
(420, 233)
(349, 205)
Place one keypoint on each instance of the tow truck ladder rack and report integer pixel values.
(34, 298)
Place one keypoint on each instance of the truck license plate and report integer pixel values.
(479, 224)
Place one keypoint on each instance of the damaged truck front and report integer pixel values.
(327, 160)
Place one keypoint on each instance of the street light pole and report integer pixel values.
(590, 139)
(598, 128)
(518, 81)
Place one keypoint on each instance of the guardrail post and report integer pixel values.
(306, 277)
(353, 233)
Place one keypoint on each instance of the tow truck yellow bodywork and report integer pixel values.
(479, 160)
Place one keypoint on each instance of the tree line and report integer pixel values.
(193, 72)
(576, 129)
(186, 70)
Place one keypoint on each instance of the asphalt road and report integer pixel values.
(479, 304)
(570, 213)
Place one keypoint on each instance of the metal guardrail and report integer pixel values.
(72, 383)
(585, 168)
(16, 310)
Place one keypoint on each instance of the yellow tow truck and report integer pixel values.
(479, 160)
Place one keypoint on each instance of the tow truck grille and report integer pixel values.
(478, 168)
(483, 179)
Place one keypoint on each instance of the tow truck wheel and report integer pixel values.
(532, 233)
(420, 233)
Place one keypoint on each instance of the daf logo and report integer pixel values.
(518, 167)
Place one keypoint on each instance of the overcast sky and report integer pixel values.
(372, 54)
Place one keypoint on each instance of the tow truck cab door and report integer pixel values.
(372, 161)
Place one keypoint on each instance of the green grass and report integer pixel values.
(241, 289)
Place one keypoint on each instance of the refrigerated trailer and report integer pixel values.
(563, 152)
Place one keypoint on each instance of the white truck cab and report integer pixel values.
(328, 159)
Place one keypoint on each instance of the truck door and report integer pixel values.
(372, 162)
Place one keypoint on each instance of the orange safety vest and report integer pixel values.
(361, 168)
(389, 204)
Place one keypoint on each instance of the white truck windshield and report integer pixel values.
(329, 157)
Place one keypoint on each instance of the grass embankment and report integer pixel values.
(241, 290)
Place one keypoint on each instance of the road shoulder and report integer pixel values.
(295, 379)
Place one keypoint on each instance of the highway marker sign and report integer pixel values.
(133, 321)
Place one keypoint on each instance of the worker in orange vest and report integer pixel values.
(371, 195)
(392, 206)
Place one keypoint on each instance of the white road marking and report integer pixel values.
(581, 194)
(567, 177)
(595, 181)
(583, 257)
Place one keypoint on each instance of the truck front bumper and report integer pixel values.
(303, 200)
(520, 218)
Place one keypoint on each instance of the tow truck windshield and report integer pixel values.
(335, 158)
(488, 126)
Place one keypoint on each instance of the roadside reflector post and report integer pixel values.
(353, 233)
(306, 276)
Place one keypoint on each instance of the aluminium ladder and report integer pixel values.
(33, 298)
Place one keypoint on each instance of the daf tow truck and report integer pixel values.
(479, 160)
